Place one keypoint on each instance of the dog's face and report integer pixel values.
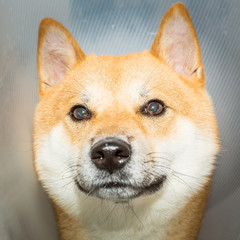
(120, 128)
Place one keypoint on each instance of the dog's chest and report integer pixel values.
(133, 234)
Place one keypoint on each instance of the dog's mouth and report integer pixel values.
(122, 191)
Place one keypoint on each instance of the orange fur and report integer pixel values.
(114, 88)
(190, 101)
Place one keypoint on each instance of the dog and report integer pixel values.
(125, 146)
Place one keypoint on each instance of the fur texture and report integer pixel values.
(178, 146)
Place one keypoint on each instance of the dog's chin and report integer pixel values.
(122, 192)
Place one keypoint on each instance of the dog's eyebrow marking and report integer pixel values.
(85, 97)
(144, 89)
(83, 92)
(144, 92)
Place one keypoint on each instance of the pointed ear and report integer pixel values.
(177, 44)
(58, 52)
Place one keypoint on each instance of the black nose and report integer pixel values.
(110, 154)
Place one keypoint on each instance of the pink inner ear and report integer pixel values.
(54, 57)
(179, 51)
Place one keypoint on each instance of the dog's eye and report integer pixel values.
(79, 113)
(153, 108)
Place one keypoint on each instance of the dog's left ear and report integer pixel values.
(58, 52)
(177, 44)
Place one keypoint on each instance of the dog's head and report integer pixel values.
(119, 128)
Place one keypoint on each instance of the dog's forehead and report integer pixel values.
(135, 67)
(132, 75)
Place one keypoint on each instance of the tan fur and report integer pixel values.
(187, 224)
(184, 95)
(69, 228)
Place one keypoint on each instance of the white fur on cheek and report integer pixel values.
(56, 159)
(195, 157)
(193, 154)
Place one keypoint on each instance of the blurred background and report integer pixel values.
(110, 27)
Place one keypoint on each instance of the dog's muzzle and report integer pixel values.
(114, 179)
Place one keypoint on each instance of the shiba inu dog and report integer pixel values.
(125, 146)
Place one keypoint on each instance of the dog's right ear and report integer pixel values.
(176, 43)
(58, 52)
